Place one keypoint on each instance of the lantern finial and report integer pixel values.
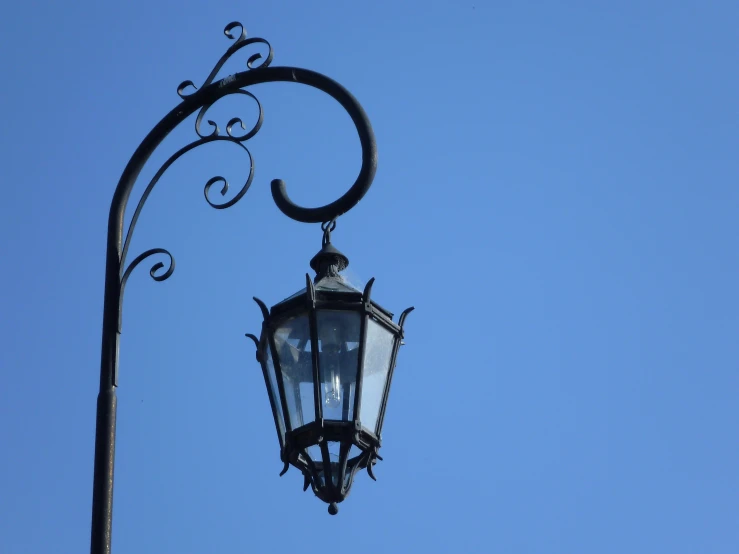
(329, 262)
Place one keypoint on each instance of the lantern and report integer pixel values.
(328, 354)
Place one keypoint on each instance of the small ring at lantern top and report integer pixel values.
(327, 227)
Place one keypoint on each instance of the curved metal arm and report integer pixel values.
(117, 273)
(208, 95)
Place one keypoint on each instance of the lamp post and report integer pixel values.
(327, 353)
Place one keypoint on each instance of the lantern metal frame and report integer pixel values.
(294, 442)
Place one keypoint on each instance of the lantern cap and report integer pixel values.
(329, 262)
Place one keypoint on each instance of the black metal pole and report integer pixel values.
(115, 274)
(102, 496)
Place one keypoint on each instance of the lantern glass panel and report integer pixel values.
(354, 452)
(293, 344)
(274, 393)
(314, 452)
(377, 353)
(334, 450)
(339, 334)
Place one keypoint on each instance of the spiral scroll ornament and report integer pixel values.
(238, 44)
(213, 134)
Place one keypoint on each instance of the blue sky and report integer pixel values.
(556, 194)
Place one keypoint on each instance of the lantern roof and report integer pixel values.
(327, 263)
(328, 284)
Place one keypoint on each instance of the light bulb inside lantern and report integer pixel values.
(332, 391)
(330, 349)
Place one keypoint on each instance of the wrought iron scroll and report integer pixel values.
(200, 100)
(238, 44)
(213, 136)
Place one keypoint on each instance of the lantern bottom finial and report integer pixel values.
(333, 508)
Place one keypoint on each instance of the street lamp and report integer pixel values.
(327, 353)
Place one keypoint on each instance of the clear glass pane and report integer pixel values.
(334, 450)
(338, 344)
(274, 394)
(314, 452)
(292, 341)
(377, 353)
(300, 402)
